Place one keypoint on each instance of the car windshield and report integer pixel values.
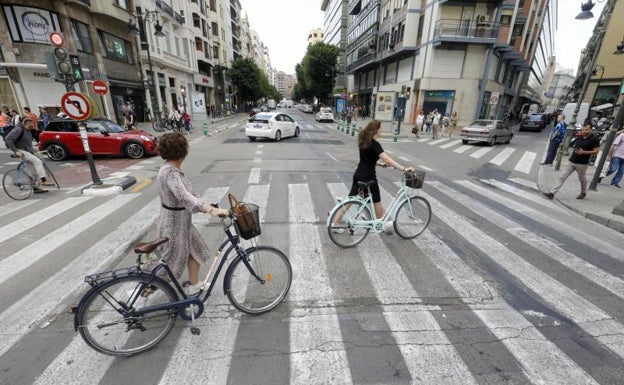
(260, 117)
(326, 110)
(112, 127)
(534, 117)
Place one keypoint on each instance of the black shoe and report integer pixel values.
(38, 190)
(548, 195)
(580, 196)
(545, 164)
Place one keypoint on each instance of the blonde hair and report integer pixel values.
(365, 137)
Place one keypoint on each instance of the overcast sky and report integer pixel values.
(284, 25)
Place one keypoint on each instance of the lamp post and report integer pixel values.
(594, 72)
(183, 92)
(134, 30)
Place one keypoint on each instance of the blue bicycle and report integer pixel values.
(20, 183)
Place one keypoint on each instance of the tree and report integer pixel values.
(246, 76)
(319, 69)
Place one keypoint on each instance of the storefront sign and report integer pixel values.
(384, 108)
(30, 25)
(199, 103)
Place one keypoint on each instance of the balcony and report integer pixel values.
(167, 10)
(455, 30)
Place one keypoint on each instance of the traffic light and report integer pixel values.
(76, 67)
(408, 92)
(58, 60)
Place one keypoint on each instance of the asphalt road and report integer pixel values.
(504, 287)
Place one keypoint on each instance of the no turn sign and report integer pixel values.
(100, 87)
(76, 105)
(494, 98)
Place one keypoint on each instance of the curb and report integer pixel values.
(109, 188)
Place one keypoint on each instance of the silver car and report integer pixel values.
(489, 131)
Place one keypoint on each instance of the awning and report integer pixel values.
(602, 107)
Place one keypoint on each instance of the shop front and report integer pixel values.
(40, 89)
(123, 91)
(438, 100)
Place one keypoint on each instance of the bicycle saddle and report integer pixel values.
(366, 184)
(148, 247)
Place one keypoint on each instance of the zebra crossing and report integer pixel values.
(501, 288)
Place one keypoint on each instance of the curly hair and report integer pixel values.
(365, 137)
(173, 146)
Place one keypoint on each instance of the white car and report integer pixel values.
(271, 125)
(325, 115)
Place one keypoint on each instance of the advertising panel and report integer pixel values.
(384, 108)
(199, 103)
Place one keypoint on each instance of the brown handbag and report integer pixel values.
(246, 217)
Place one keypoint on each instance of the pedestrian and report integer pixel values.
(44, 118)
(5, 119)
(185, 249)
(19, 140)
(555, 139)
(584, 147)
(16, 118)
(186, 118)
(32, 116)
(446, 123)
(453, 123)
(435, 120)
(129, 117)
(428, 120)
(370, 153)
(616, 158)
(420, 121)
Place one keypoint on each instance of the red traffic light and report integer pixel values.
(57, 39)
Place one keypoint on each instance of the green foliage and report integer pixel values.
(251, 82)
(315, 75)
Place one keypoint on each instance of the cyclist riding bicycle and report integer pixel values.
(370, 153)
(19, 140)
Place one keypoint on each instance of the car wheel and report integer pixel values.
(464, 141)
(492, 141)
(252, 138)
(57, 151)
(134, 150)
(296, 132)
(278, 136)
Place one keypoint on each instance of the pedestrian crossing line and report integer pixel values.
(422, 140)
(406, 159)
(16, 206)
(317, 355)
(613, 250)
(212, 195)
(528, 195)
(258, 195)
(420, 166)
(548, 247)
(542, 361)
(502, 156)
(254, 176)
(451, 144)
(437, 141)
(28, 222)
(479, 153)
(582, 312)
(257, 160)
(526, 183)
(39, 304)
(463, 149)
(30, 254)
(526, 162)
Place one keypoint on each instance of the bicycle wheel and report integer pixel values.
(412, 217)
(51, 176)
(258, 282)
(17, 185)
(348, 233)
(107, 320)
(157, 125)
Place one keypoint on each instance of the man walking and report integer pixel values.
(584, 147)
(556, 137)
(616, 156)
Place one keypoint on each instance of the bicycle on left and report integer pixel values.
(20, 183)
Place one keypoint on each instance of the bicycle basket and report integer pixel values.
(247, 221)
(414, 179)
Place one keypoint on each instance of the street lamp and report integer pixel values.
(139, 30)
(183, 92)
(594, 73)
(620, 48)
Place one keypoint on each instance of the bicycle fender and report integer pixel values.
(343, 201)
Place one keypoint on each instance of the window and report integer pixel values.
(80, 33)
(114, 48)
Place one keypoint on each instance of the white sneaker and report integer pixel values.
(192, 290)
(337, 230)
(389, 228)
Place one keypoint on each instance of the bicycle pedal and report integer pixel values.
(195, 331)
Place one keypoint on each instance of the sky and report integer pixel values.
(572, 35)
(283, 26)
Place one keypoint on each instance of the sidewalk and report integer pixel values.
(598, 206)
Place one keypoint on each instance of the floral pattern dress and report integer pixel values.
(184, 239)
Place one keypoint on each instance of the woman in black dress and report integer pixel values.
(370, 153)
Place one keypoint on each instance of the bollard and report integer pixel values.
(205, 129)
(347, 130)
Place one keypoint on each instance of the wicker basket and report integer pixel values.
(414, 179)
(248, 224)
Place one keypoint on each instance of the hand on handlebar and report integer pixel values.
(223, 213)
(408, 169)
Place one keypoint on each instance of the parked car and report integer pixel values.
(534, 122)
(325, 115)
(307, 109)
(489, 131)
(254, 111)
(272, 125)
(61, 139)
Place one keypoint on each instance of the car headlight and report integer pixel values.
(145, 138)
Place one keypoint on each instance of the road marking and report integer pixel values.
(330, 155)
(451, 144)
(502, 156)
(143, 182)
(463, 149)
(15, 206)
(437, 141)
(257, 160)
(405, 158)
(423, 140)
(479, 153)
(258, 195)
(528, 195)
(526, 162)
(254, 176)
(527, 183)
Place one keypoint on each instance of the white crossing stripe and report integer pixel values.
(317, 354)
(451, 144)
(30, 254)
(16, 206)
(586, 315)
(523, 194)
(479, 153)
(424, 140)
(32, 220)
(424, 168)
(526, 162)
(212, 195)
(463, 148)
(437, 141)
(254, 176)
(258, 195)
(406, 159)
(57, 289)
(526, 183)
(502, 156)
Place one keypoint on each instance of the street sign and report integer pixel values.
(75, 105)
(100, 87)
(494, 98)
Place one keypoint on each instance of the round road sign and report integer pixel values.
(494, 98)
(76, 105)
(100, 87)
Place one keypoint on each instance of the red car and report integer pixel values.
(61, 139)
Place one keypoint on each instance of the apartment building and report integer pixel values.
(335, 33)
(475, 59)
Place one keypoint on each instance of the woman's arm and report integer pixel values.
(392, 163)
